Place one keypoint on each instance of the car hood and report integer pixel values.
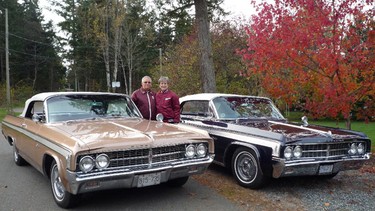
(283, 131)
(125, 133)
(298, 132)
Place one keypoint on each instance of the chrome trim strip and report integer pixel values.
(274, 145)
(296, 163)
(55, 147)
(280, 165)
(129, 179)
(244, 137)
(123, 172)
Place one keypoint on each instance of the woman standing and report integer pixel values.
(167, 102)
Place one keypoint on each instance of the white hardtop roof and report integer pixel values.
(210, 96)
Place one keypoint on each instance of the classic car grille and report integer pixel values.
(142, 158)
(146, 156)
(327, 151)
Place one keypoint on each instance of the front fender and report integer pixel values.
(264, 155)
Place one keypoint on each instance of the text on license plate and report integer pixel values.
(149, 179)
(325, 169)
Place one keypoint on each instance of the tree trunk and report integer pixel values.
(348, 123)
(117, 48)
(106, 50)
(35, 69)
(130, 63)
(207, 71)
(125, 78)
(107, 67)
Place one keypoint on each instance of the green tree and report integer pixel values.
(139, 43)
(79, 48)
(182, 64)
(33, 59)
(109, 42)
(203, 14)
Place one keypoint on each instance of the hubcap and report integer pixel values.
(15, 153)
(246, 167)
(57, 185)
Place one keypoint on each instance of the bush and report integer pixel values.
(18, 95)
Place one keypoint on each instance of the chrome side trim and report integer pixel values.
(241, 135)
(55, 147)
(247, 140)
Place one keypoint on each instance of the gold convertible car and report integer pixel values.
(89, 141)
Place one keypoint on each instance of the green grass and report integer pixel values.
(3, 112)
(360, 126)
(368, 129)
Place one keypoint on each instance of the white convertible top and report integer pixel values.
(210, 96)
(45, 95)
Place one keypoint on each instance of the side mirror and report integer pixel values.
(210, 115)
(36, 118)
(159, 117)
(304, 121)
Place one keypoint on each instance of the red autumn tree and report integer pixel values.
(316, 53)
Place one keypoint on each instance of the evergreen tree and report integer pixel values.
(33, 57)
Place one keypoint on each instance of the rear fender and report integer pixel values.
(9, 139)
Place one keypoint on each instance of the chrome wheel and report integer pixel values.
(62, 198)
(246, 169)
(16, 156)
(57, 186)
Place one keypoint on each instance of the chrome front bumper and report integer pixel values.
(282, 168)
(129, 179)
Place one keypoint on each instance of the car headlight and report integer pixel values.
(201, 150)
(353, 149)
(102, 161)
(86, 164)
(297, 152)
(190, 151)
(361, 149)
(288, 153)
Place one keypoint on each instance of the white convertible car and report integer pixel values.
(88, 141)
(254, 139)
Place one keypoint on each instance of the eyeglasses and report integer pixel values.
(146, 82)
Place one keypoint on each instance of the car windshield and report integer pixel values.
(246, 107)
(75, 107)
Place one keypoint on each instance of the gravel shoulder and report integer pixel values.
(349, 190)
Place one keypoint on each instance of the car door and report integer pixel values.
(27, 142)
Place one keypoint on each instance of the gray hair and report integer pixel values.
(164, 79)
(146, 77)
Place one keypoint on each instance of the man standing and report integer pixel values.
(167, 102)
(144, 99)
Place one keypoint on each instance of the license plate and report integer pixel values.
(325, 169)
(149, 179)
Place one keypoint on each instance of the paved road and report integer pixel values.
(24, 188)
